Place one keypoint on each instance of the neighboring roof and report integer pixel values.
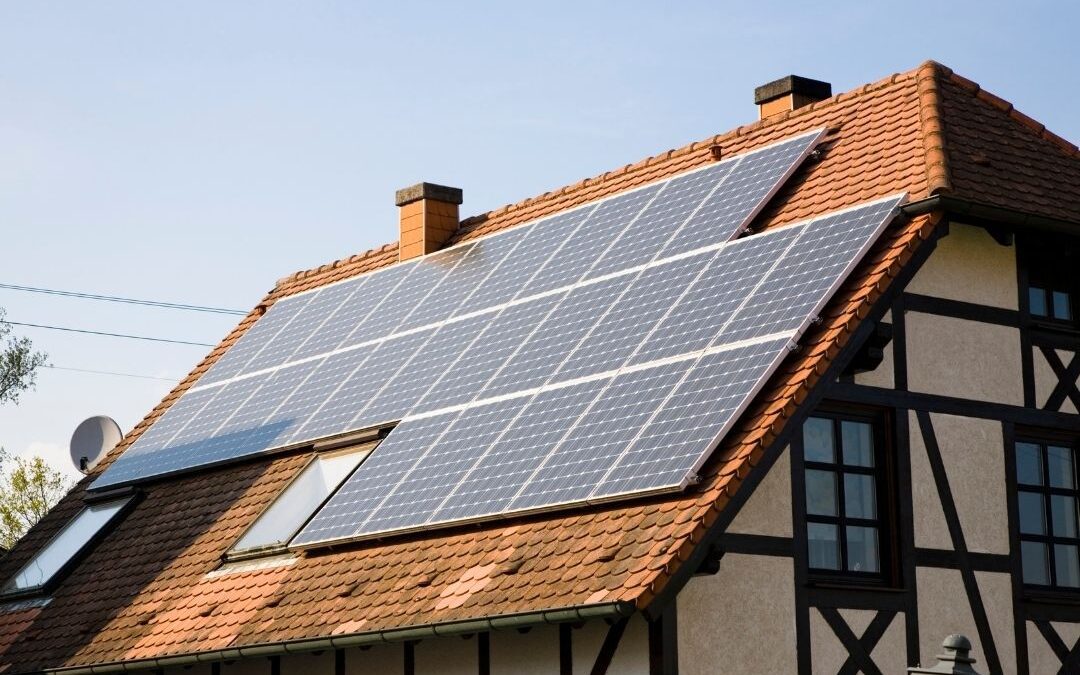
(146, 590)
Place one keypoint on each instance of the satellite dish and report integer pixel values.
(93, 438)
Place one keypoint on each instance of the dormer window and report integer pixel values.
(323, 475)
(64, 548)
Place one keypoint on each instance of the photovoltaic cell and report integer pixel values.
(549, 345)
(358, 386)
(440, 467)
(575, 466)
(504, 465)
(618, 332)
(598, 231)
(465, 378)
(307, 321)
(403, 388)
(367, 487)
(714, 297)
(693, 420)
(824, 252)
(255, 339)
(751, 184)
(389, 345)
(541, 243)
(642, 240)
(425, 275)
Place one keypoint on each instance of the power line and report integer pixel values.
(109, 372)
(129, 301)
(119, 335)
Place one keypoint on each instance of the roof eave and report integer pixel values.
(608, 610)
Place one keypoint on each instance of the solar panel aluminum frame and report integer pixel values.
(815, 137)
(792, 345)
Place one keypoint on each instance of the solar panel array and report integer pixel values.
(668, 367)
(498, 316)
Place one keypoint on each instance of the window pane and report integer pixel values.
(1063, 512)
(1062, 310)
(820, 493)
(1062, 471)
(858, 443)
(818, 440)
(1032, 513)
(1033, 560)
(1037, 301)
(1029, 464)
(862, 546)
(64, 546)
(824, 546)
(860, 496)
(298, 501)
(1066, 566)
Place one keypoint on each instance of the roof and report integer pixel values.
(146, 590)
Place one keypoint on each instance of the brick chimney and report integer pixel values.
(789, 93)
(429, 216)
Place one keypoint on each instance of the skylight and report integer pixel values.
(64, 547)
(277, 525)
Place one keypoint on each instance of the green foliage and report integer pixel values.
(18, 364)
(28, 489)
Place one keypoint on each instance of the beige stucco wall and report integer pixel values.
(255, 666)
(632, 656)
(987, 268)
(723, 616)
(973, 455)
(944, 609)
(449, 655)
(377, 660)
(320, 663)
(768, 510)
(883, 375)
(828, 654)
(965, 359)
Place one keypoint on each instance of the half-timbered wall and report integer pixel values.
(962, 372)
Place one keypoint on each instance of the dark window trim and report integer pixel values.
(1030, 248)
(888, 523)
(1043, 437)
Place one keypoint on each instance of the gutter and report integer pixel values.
(965, 209)
(611, 610)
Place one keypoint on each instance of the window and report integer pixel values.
(1046, 501)
(64, 547)
(1052, 288)
(847, 496)
(272, 530)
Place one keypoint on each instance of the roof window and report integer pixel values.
(271, 531)
(64, 548)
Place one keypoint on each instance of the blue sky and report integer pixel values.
(196, 152)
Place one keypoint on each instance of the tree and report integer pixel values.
(29, 487)
(18, 364)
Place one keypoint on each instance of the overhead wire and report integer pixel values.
(106, 334)
(115, 298)
(109, 372)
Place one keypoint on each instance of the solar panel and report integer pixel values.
(487, 318)
(634, 428)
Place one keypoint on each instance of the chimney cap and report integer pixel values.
(439, 193)
(792, 84)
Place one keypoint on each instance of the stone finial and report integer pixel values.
(955, 660)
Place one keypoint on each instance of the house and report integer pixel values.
(897, 467)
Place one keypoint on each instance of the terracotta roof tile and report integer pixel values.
(145, 591)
